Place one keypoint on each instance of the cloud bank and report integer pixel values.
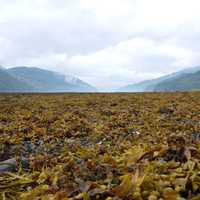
(108, 43)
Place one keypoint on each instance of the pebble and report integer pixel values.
(10, 165)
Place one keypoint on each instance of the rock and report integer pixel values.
(11, 165)
(165, 110)
(196, 137)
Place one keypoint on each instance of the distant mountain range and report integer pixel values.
(33, 79)
(184, 80)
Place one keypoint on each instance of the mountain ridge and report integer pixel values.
(9, 83)
(40, 80)
(184, 82)
(151, 85)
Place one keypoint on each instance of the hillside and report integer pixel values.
(159, 83)
(32, 79)
(184, 82)
(9, 83)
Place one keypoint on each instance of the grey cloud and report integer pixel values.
(107, 43)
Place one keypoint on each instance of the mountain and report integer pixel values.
(9, 83)
(184, 82)
(34, 79)
(153, 85)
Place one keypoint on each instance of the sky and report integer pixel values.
(107, 43)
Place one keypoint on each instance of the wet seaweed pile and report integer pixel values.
(100, 146)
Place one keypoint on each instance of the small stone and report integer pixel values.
(196, 137)
(166, 110)
(9, 165)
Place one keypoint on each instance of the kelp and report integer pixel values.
(100, 146)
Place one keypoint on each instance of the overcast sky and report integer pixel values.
(108, 43)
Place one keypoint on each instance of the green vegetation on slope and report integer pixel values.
(177, 81)
(9, 83)
(32, 79)
(185, 82)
